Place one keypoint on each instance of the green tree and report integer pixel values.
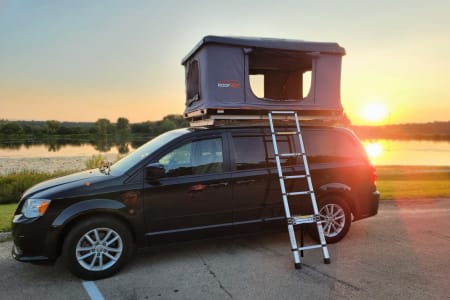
(123, 124)
(178, 120)
(167, 125)
(103, 126)
(52, 126)
(11, 128)
(141, 128)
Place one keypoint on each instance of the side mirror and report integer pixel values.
(154, 172)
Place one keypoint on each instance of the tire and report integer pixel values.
(97, 248)
(336, 219)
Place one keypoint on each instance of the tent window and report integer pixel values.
(257, 85)
(306, 83)
(192, 82)
(280, 75)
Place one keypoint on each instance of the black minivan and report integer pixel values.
(190, 183)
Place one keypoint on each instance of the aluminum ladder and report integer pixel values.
(302, 219)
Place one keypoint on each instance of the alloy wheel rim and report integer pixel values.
(99, 249)
(333, 219)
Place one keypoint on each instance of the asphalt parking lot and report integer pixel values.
(402, 253)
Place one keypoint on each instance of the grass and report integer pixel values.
(12, 186)
(395, 182)
(6, 214)
(96, 161)
(405, 189)
(409, 182)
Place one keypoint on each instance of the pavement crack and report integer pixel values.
(345, 283)
(213, 274)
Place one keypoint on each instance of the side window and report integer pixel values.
(197, 157)
(250, 152)
(254, 152)
(327, 146)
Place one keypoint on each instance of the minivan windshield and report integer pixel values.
(144, 151)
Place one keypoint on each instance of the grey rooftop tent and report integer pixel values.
(248, 75)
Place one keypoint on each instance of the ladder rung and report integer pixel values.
(299, 193)
(285, 133)
(295, 176)
(309, 247)
(290, 154)
(282, 112)
(307, 219)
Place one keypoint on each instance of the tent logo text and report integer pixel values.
(234, 84)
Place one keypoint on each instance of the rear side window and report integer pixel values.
(323, 146)
(254, 152)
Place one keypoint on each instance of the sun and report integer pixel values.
(375, 112)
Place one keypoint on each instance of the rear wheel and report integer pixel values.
(335, 215)
(97, 248)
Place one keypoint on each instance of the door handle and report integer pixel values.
(246, 181)
(197, 188)
(221, 184)
(200, 187)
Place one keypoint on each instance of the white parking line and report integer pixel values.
(92, 290)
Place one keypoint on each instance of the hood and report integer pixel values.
(51, 188)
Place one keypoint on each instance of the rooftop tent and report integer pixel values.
(258, 74)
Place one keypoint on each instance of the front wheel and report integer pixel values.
(97, 248)
(335, 216)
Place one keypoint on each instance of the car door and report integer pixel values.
(256, 189)
(193, 197)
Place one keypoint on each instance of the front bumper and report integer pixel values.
(33, 240)
(17, 254)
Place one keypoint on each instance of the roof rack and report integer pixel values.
(219, 117)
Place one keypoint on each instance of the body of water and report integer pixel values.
(380, 152)
(408, 152)
(62, 151)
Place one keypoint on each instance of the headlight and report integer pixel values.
(33, 208)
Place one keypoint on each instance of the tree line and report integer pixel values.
(122, 127)
(412, 131)
(102, 126)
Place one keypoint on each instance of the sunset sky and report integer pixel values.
(84, 60)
